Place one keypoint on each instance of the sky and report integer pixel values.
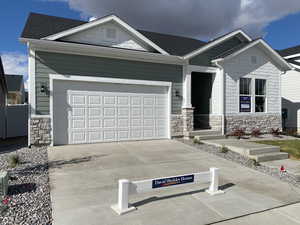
(274, 20)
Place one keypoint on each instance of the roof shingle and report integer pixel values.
(39, 26)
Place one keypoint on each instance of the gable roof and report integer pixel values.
(14, 82)
(102, 20)
(239, 49)
(290, 51)
(39, 26)
(216, 42)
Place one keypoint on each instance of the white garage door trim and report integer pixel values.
(108, 80)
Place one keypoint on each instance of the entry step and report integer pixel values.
(207, 134)
(270, 156)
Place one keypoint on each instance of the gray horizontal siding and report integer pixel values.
(55, 63)
(205, 58)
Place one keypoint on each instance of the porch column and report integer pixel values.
(187, 89)
(187, 108)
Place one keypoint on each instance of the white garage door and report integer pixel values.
(113, 112)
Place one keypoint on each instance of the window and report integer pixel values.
(245, 95)
(260, 95)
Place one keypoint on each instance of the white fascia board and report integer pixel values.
(292, 56)
(101, 21)
(108, 80)
(218, 41)
(284, 63)
(202, 69)
(100, 51)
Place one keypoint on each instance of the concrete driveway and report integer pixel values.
(84, 182)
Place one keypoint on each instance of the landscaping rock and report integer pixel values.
(245, 161)
(28, 198)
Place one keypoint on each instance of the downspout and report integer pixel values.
(223, 95)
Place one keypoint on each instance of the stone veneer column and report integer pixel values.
(40, 131)
(187, 120)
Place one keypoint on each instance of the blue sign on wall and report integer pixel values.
(245, 104)
(170, 181)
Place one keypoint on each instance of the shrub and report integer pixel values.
(255, 163)
(239, 133)
(275, 132)
(196, 141)
(224, 149)
(256, 132)
(3, 204)
(13, 161)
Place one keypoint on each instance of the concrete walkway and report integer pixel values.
(84, 178)
(291, 166)
(252, 150)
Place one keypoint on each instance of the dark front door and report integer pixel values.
(201, 99)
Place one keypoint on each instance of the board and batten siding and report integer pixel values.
(57, 63)
(241, 66)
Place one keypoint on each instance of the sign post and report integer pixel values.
(214, 184)
(127, 187)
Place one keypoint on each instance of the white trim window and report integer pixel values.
(245, 95)
(260, 95)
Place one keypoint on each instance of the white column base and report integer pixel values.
(212, 193)
(122, 211)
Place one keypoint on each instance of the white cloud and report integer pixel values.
(197, 18)
(15, 63)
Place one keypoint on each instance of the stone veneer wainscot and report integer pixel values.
(263, 122)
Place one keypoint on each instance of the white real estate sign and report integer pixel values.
(127, 187)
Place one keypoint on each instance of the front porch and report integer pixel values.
(202, 101)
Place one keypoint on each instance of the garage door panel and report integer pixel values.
(109, 135)
(136, 101)
(78, 123)
(136, 134)
(123, 101)
(78, 100)
(149, 122)
(148, 112)
(95, 136)
(109, 112)
(136, 122)
(123, 123)
(109, 123)
(109, 100)
(136, 112)
(123, 135)
(94, 100)
(105, 113)
(78, 137)
(95, 112)
(149, 133)
(78, 112)
(149, 101)
(123, 112)
(95, 123)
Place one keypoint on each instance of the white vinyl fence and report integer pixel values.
(14, 121)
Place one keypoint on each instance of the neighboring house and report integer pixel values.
(15, 89)
(291, 90)
(104, 80)
(3, 87)
(3, 94)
